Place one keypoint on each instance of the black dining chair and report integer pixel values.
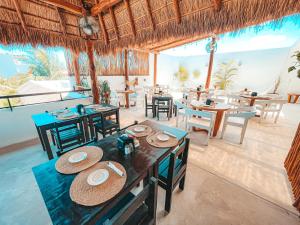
(172, 171)
(163, 106)
(139, 209)
(104, 123)
(68, 134)
(149, 106)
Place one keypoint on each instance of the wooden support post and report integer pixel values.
(75, 58)
(211, 61)
(130, 17)
(61, 21)
(177, 11)
(148, 7)
(155, 70)
(126, 78)
(103, 28)
(217, 5)
(113, 18)
(95, 90)
(20, 15)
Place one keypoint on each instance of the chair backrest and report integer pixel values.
(180, 105)
(240, 114)
(191, 112)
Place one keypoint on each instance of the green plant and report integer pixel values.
(105, 91)
(182, 75)
(225, 74)
(196, 74)
(296, 64)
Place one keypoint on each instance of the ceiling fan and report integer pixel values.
(87, 23)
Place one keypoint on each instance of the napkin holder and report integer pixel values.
(80, 109)
(126, 144)
(209, 102)
(254, 94)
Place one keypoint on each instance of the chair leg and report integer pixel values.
(243, 131)
(276, 118)
(223, 129)
(168, 200)
(177, 120)
(181, 183)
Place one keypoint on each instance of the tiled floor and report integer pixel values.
(227, 183)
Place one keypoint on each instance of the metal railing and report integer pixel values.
(11, 106)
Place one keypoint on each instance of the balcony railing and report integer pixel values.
(54, 97)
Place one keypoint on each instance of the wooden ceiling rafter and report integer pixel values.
(148, 8)
(127, 5)
(113, 18)
(103, 5)
(103, 28)
(61, 21)
(217, 5)
(65, 5)
(20, 14)
(177, 11)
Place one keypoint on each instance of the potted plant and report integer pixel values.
(104, 92)
(225, 74)
(296, 64)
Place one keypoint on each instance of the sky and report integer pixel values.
(248, 40)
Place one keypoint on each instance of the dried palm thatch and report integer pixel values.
(46, 25)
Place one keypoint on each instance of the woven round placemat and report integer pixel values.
(84, 194)
(94, 155)
(153, 140)
(146, 132)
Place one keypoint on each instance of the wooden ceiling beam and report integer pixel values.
(61, 21)
(177, 11)
(217, 5)
(148, 8)
(103, 5)
(127, 5)
(65, 5)
(20, 14)
(113, 18)
(103, 28)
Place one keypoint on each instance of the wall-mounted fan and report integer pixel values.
(88, 23)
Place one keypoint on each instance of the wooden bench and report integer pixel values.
(296, 97)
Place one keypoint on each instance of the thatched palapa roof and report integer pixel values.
(147, 24)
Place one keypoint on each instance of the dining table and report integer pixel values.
(139, 165)
(218, 108)
(46, 121)
(252, 99)
(161, 97)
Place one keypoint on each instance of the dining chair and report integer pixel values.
(114, 99)
(172, 171)
(134, 209)
(180, 111)
(238, 118)
(103, 123)
(266, 107)
(149, 104)
(163, 106)
(236, 101)
(68, 134)
(200, 119)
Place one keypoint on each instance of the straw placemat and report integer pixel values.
(84, 194)
(146, 132)
(153, 140)
(94, 155)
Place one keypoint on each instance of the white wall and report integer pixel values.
(17, 125)
(258, 71)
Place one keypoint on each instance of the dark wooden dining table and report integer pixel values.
(139, 165)
(161, 97)
(46, 121)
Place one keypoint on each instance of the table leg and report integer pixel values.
(218, 121)
(252, 101)
(40, 137)
(153, 108)
(296, 98)
(45, 140)
(289, 98)
(86, 129)
(126, 100)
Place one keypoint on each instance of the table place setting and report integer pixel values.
(78, 159)
(162, 139)
(98, 108)
(98, 184)
(139, 130)
(59, 111)
(67, 116)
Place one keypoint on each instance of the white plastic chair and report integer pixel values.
(200, 119)
(181, 108)
(238, 118)
(270, 106)
(236, 101)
